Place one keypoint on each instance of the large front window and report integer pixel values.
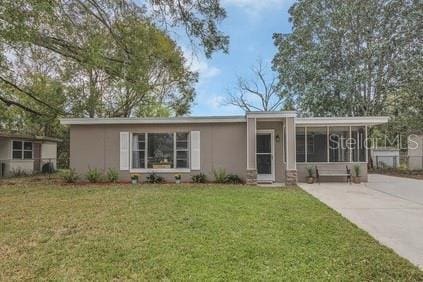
(160, 150)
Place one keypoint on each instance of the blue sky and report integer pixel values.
(250, 25)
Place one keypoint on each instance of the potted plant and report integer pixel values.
(310, 172)
(134, 179)
(178, 178)
(357, 173)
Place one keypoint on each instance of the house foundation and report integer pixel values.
(251, 177)
(291, 177)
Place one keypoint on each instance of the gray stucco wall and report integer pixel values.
(223, 145)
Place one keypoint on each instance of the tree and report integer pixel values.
(111, 55)
(259, 94)
(351, 58)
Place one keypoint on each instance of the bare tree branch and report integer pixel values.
(259, 94)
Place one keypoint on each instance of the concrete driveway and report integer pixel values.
(388, 208)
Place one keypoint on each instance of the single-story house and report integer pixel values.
(24, 153)
(258, 147)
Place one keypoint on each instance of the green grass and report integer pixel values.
(166, 232)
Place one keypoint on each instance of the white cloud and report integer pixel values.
(216, 101)
(254, 6)
(204, 69)
(200, 65)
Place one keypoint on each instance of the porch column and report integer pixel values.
(290, 147)
(251, 151)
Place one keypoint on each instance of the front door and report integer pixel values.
(265, 148)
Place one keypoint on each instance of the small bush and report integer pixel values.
(70, 176)
(18, 172)
(403, 168)
(112, 175)
(93, 175)
(232, 179)
(154, 178)
(219, 175)
(199, 178)
(310, 171)
(357, 170)
(48, 168)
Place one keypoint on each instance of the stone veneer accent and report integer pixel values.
(291, 177)
(251, 176)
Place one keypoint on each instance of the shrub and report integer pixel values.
(19, 172)
(219, 175)
(93, 175)
(48, 168)
(112, 175)
(154, 178)
(403, 168)
(232, 179)
(357, 170)
(199, 178)
(70, 176)
(310, 171)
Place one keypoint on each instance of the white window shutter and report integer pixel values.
(124, 151)
(195, 150)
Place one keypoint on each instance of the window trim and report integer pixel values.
(159, 170)
(22, 150)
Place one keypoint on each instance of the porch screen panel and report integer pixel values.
(300, 144)
(358, 137)
(317, 147)
(338, 147)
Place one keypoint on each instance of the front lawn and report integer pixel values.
(212, 232)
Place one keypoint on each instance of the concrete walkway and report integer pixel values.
(389, 208)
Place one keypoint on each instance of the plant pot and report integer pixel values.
(356, 179)
(310, 180)
(134, 181)
(178, 181)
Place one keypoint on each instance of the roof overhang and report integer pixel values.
(175, 120)
(341, 121)
(15, 135)
(271, 115)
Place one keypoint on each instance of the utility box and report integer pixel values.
(386, 157)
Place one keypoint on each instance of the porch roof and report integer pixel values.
(341, 121)
(347, 121)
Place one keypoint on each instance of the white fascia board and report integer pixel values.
(345, 121)
(177, 120)
(282, 114)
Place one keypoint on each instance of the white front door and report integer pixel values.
(265, 148)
